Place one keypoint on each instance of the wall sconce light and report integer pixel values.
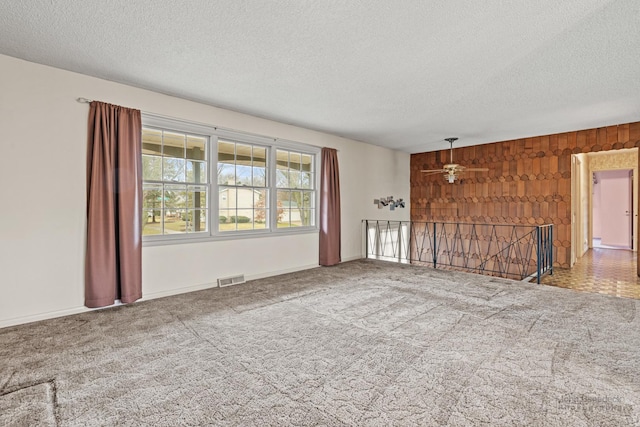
(388, 201)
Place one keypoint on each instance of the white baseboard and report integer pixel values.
(42, 316)
(279, 272)
(146, 296)
(153, 295)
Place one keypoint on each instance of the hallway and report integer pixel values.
(603, 271)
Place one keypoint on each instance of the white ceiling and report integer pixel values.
(404, 74)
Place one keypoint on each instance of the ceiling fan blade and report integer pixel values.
(476, 170)
(433, 170)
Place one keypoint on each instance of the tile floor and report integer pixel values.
(597, 243)
(603, 271)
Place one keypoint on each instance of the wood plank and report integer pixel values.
(623, 132)
(563, 141)
(601, 138)
(612, 134)
(634, 131)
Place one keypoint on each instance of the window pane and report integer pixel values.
(294, 198)
(226, 174)
(294, 161)
(173, 170)
(226, 152)
(282, 169)
(259, 156)
(284, 208)
(294, 179)
(196, 146)
(282, 178)
(151, 141)
(306, 217)
(229, 197)
(196, 171)
(226, 198)
(261, 205)
(243, 154)
(259, 177)
(173, 145)
(307, 200)
(259, 166)
(196, 221)
(151, 168)
(306, 160)
(151, 222)
(152, 196)
(282, 158)
(196, 196)
(224, 220)
(243, 175)
(175, 196)
(174, 221)
(259, 198)
(306, 180)
(295, 206)
(247, 221)
(283, 197)
(244, 197)
(260, 218)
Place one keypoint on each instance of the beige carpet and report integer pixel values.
(364, 343)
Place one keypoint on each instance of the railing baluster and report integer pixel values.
(435, 247)
(366, 238)
(539, 252)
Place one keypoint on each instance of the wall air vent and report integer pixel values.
(233, 280)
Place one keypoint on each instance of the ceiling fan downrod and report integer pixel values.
(451, 140)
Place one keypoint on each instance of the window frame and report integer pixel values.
(215, 134)
(267, 186)
(289, 189)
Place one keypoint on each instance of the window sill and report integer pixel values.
(180, 240)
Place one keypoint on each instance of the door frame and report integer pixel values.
(576, 210)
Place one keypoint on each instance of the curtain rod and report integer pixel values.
(83, 100)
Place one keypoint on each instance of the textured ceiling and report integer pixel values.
(398, 73)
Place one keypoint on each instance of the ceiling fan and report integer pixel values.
(452, 170)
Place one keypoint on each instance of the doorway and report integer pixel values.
(612, 209)
(583, 166)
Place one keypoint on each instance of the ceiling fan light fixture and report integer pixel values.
(452, 171)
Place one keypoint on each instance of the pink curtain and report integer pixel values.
(329, 208)
(113, 268)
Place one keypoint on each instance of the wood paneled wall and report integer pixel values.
(529, 181)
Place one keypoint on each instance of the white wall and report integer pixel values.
(42, 170)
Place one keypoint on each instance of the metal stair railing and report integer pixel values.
(504, 250)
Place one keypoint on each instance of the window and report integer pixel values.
(295, 189)
(203, 183)
(242, 187)
(175, 182)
